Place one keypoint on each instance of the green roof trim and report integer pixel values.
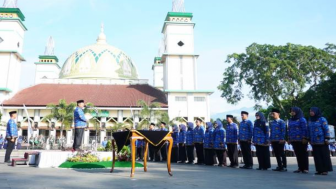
(157, 58)
(5, 89)
(48, 57)
(18, 19)
(13, 10)
(179, 14)
(15, 52)
(188, 91)
(53, 63)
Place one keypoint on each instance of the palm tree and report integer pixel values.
(147, 112)
(61, 112)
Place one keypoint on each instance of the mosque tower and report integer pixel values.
(47, 67)
(12, 31)
(176, 66)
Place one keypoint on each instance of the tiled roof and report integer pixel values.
(99, 95)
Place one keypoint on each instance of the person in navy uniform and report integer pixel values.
(150, 146)
(190, 143)
(219, 143)
(261, 141)
(245, 140)
(297, 137)
(319, 136)
(182, 144)
(232, 141)
(209, 154)
(139, 146)
(175, 136)
(11, 135)
(198, 141)
(80, 124)
(278, 133)
(163, 149)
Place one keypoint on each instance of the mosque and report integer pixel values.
(101, 74)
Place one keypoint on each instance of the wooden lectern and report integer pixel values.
(134, 136)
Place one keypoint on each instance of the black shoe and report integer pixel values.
(9, 161)
(250, 167)
(283, 170)
(243, 167)
(297, 171)
(259, 169)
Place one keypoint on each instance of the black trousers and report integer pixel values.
(301, 154)
(78, 138)
(182, 153)
(247, 154)
(221, 156)
(279, 153)
(164, 152)
(9, 149)
(209, 157)
(151, 152)
(175, 154)
(199, 153)
(190, 154)
(233, 154)
(139, 152)
(322, 159)
(264, 158)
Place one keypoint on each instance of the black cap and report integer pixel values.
(80, 101)
(199, 119)
(163, 123)
(229, 116)
(276, 110)
(12, 112)
(152, 124)
(244, 112)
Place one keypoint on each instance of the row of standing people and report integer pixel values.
(214, 142)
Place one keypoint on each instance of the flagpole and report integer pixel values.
(30, 130)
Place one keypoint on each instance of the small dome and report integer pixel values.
(99, 61)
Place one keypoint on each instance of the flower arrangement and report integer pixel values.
(85, 157)
(124, 154)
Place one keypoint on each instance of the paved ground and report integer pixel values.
(185, 177)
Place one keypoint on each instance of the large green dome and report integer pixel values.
(99, 61)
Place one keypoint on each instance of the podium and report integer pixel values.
(129, 137)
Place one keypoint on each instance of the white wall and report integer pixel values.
(50, 71)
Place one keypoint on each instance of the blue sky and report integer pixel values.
(222, 27)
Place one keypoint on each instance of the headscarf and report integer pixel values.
(175, 128)
(190, 126)
(183, 127)
(298, 113)
(219, 124)
(261, 122)
(317, 112)
(209, 125)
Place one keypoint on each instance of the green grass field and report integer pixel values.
(103, 164)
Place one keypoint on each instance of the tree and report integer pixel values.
(147, 112)
(274, 73)
(61, 112)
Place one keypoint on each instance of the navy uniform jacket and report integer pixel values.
(278, 130)
(297, 130)
(199, 134)
(209, 138)
(232, 133)
(318, 131)
(245, 130)
(220, 135)
(11, 131)
(80, 120)
(175, 137)
(261, 135)
(182, 137)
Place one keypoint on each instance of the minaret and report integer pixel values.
(47, 67)
(12, 31)
(157, 73)
(180, 67)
